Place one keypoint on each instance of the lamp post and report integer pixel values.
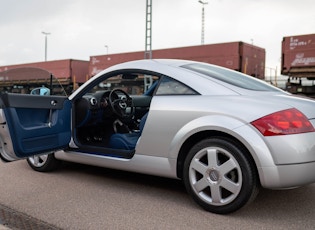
(275, 77)
(203, 21)
(106, 46)
(46, 34)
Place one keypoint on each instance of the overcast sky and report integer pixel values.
(81, 28)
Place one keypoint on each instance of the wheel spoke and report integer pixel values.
(201, 184)
(36, 160)
(198, 166)
(212, 155)
(43, 158)
(230, 185)
(227, 166)
(216, 194)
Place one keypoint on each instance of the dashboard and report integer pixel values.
(92, 108)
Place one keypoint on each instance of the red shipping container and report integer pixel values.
(71, 71)
(298, 56)
(238, 56)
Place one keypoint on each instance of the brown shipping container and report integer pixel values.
(67, 71)
(238, 56)
(298, 56)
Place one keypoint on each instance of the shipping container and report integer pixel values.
(298, 63)
(238, 56)
(69, 74)
(298, 56)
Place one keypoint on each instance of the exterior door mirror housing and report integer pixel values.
(40, 91)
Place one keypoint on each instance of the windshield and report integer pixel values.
(231, 77)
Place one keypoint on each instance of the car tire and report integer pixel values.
(220, 176)
(43, 163)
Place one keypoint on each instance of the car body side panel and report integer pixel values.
(158, 166)
(211, 122)
(169, 114)
(305, 105)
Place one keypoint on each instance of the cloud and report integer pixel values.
(80, 29)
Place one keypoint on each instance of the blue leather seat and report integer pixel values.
(127, 141)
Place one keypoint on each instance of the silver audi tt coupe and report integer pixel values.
(223, 133)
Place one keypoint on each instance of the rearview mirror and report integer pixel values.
(128, 76)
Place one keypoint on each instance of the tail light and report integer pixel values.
(290, 121)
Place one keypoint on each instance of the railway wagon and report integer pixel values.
(239, 56)
(298, 63)
(67, 76)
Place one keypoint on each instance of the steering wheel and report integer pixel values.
(121, 103)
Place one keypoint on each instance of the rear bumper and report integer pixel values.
(285, 161)
(287, 176)
(292, 149)
(294, 159)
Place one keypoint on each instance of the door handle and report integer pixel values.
(53, 103)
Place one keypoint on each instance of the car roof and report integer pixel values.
(205, 85)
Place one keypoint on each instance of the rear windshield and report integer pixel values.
(231, 77)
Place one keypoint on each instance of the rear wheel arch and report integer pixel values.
(197, 137)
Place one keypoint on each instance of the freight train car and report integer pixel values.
(67, 75)
(298, 63)
(238, 56)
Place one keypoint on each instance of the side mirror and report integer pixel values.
(40, 91)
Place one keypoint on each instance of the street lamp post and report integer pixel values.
(203, 21)
(46, 34)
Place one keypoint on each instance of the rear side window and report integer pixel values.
(169, 86)
(231, 77)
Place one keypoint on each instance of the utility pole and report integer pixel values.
(148, 31)
(45, 33)
(203, 21)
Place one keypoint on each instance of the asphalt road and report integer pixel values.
(84, 197)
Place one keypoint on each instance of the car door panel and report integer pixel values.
(36, 124)
(32, 101)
